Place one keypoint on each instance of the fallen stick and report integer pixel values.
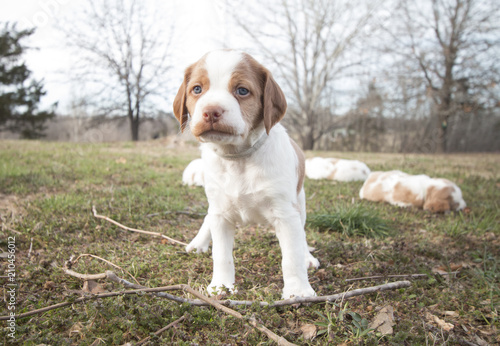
(170, 325)
(160, 292)
(71, 262)
(156, 234)
(232, 303)
(345, 295)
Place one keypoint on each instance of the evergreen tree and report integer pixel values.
(19, 94)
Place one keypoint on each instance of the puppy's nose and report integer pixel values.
(212, 114)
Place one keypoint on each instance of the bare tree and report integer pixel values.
(124, 56)
(311, 45)
(448, 43)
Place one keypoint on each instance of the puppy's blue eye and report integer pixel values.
(197, 89)
(242, 91)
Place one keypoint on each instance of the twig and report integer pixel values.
(170, 325)
(104, 260)
(279, 339)
(345, 295)
(156, 234)
(85, 276)
(411, 276)
(31, 247)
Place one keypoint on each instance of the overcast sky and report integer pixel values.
(201, 25)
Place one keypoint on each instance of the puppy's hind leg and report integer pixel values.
(311, 261)
(293, 245)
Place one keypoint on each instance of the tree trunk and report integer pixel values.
(308, 141)
(441, 139)
(134, 127)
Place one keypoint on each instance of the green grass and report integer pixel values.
(47, 191)
(350, 221)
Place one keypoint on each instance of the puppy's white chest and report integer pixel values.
(238, 192)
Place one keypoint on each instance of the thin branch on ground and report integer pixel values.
(170, 325)
(410, 276)
(233, 303)
(104, 260)
(156, 234)
(31, 248)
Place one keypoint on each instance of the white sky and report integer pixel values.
(201, 25)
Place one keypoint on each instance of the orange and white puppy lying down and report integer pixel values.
(254, 172)
(336, 169)
(405, 190)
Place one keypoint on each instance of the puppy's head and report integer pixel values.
(442, 196)
(228, 94)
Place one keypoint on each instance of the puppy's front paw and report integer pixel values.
(302, 290)
(311, 261)
(199, 246)
(216, 289)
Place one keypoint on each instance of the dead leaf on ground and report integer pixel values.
(49, 285)
(121, 160)
(76, 329)
(308, 331)
(91, 286)
(321, 273)
(439, 322)
(447, 269)
(451, 313)
(383, 321)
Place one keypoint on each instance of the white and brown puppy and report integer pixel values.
(336, 169)
(405, 190)
(253, 171)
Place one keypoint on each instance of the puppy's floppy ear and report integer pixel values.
(437, 199)
(180, 108)
(274, 102)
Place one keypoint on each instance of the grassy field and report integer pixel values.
(47, 191)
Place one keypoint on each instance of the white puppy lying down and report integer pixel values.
(421, 191)
(254, 172)
(193, 174)
(336, 169)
